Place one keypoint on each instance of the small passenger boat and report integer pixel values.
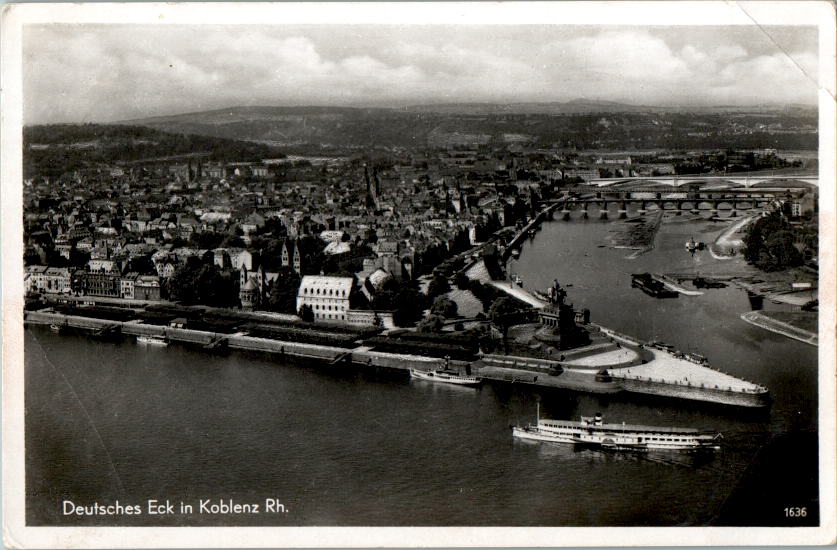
(446, 376)
(152, 340)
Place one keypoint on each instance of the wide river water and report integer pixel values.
(338, 446)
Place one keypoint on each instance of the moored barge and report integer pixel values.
(651, 286)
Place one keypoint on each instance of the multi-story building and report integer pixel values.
(126, 285)
(147, 287)
(327, 296)
(97, 284)
(34, 280)
(58, 280)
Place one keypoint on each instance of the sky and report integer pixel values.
(102, 73)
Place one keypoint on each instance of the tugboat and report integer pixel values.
(649, 285)
(593, 432)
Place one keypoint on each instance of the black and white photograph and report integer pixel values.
(460, 266)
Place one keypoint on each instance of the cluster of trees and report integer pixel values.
(283, 292)
(76, 146)
(197, 282)
(769, 244)
(404, 299)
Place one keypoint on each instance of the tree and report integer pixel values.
(283, 291)
(444, 306)
(438, 285)
(431, 323)
(769, 244)
(182, 285)
(306, 313)
(196, 282)
(461, 281)
(501, 315)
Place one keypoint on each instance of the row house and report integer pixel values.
(58, 280)
(101, 265)
(126, 285)
(35, 278)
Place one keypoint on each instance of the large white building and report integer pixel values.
(327, 296)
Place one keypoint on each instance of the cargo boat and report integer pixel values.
(593, 432)
(447, 376)
(649, 285)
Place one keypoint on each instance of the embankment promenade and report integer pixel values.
(526, 371)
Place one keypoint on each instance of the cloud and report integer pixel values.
(100, 73)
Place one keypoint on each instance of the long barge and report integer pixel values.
(651, 286)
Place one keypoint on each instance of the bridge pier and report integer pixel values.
(565, 214)
(642, 209)
(603, 212)
(623, 210)
(584, 211)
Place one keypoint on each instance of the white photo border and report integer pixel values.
(820, 14)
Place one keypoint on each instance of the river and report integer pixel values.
(338, 446)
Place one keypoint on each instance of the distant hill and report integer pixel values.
(581, 123)
(552, 108)
(54, 149)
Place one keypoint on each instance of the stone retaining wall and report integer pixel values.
(712, 395)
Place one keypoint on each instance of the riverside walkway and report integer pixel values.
(479, 272)
(668, 368)
(725, 247)
(521, 294)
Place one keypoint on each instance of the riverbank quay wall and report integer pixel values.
(654, 378)
(650, 386)
(523, 233)
(188, 336)
(534, 371)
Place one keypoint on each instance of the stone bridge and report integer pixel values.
(678, 204)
